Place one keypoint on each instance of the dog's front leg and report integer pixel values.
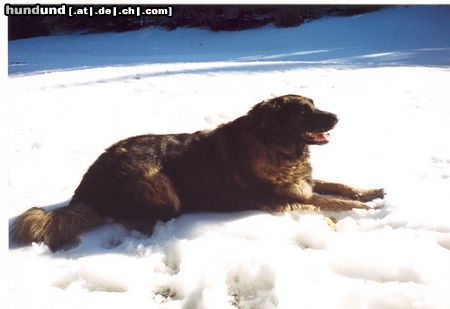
(335, 203)
(284, 207)
(333, 188)
(305, 208)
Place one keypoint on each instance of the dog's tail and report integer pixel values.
(58, 229)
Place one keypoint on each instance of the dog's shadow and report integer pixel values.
(114, 238)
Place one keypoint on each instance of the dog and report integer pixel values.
(259, 161)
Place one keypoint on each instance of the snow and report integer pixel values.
(385, 74)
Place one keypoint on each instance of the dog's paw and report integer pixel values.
(371, 194)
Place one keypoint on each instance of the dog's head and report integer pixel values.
(291, 121)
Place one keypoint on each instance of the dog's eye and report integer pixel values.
(304, 110)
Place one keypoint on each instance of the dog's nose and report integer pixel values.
(331, 118)
(336, 118)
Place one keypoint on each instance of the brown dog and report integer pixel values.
(258, 161)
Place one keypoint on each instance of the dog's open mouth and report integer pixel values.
(317, 137)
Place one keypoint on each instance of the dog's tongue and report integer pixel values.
(318, 137)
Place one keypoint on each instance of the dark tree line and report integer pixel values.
(213, 17)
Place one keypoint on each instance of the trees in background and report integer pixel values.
(213, 17)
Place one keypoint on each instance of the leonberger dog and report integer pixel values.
(259, 161)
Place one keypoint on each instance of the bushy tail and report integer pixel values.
(58, 229)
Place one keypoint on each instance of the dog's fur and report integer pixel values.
(258, 161)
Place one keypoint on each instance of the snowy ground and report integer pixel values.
(390, 90)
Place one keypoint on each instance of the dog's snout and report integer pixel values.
(329, 118)
(334, 118)
(322, 121)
